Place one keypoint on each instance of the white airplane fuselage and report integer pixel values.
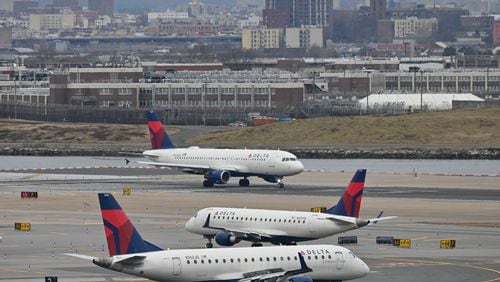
(240, 162)
(283, 226)
(328, 262)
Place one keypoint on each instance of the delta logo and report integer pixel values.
(315, 252)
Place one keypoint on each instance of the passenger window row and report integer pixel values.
(279, 220)
(260, 259)
(218, 158)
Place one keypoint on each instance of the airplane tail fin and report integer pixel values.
(158, 135)
(350, 203)
(121, 234)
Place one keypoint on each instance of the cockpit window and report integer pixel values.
(352, 254)
(293, 159)
(195, 215)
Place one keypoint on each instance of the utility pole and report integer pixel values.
(15, 90)
(421, 90)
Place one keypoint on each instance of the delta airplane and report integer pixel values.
(230, 225)
(130, 254)
(218, 165)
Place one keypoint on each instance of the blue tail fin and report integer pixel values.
(121, 234)
(158, 135)
(350, 203)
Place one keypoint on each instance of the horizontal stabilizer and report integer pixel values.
(80, 256)
(377, 219)
(132, 261)
(342, 219)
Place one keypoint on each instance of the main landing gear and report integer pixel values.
(256, 244)
(209, 245)
(207, 183)
(244, 182)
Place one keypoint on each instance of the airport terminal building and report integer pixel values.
(126, 87)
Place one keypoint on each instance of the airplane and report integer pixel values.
(229, 226)
(130, 254)
(219, 165)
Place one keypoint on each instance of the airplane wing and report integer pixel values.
(249, 235)
(174, 165)
(276, 274)
(195, 167)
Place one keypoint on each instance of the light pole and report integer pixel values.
(421, 90)
(15, 90)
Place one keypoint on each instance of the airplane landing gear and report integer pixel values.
(244, 182)
(256, 244)
(209, 245)
(207, 183)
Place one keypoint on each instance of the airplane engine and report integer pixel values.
(301, 279)
(218, 176)
(226, 239)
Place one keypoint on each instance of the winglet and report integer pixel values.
(378, 216)
(207, 222)
(126, 161)
(350, 202)
(303, 265)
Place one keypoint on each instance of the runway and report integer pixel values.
(66, 219)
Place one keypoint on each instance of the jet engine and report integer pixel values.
(301, 279)
(218, 176)
(226, 239)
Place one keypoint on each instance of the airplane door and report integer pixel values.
(176, 266)
(340, 260)
(311, 226)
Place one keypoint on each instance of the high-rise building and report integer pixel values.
(65, 3)
(25, 6)
(5, 37)
(298, 13)
(7, 6)
(102, 7)
(378, 8)
(305, 12)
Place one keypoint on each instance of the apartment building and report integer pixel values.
(40, 22)
(262, 38)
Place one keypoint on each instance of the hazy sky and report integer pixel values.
(149, 4)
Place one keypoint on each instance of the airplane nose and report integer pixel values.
(361, 268)
(299, 167)
(189, 224)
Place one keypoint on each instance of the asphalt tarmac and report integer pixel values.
(66, 219)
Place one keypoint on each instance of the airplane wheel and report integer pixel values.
(209, 245)
(256, 245)
(244, 182)
(281, 185)
(207, 183)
